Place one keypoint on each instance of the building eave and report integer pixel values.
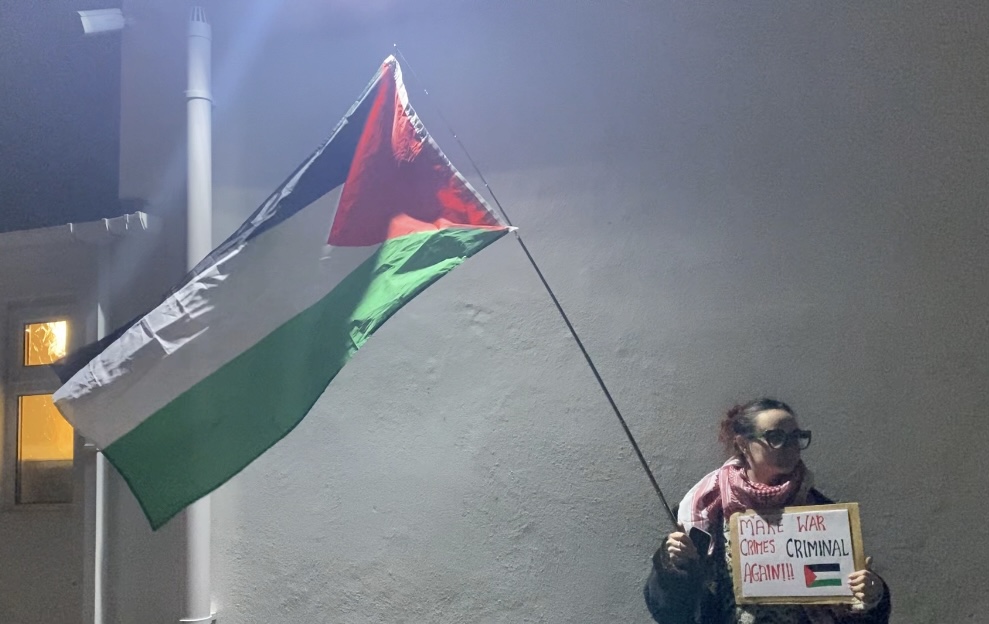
(100, 232)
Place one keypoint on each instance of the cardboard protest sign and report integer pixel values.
(796, 555)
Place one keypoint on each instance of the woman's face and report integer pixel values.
(766, 463)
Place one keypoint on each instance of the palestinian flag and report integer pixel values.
(185, 397)
(822, 575)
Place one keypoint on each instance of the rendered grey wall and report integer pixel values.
(730, 200)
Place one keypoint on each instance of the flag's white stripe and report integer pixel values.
(251, 290)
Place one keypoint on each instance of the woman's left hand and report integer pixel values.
(866, 585)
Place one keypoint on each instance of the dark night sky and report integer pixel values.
(59, 116)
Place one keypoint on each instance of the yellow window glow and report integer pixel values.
(45, 446)
(45, 343)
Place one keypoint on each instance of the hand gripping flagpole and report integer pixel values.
(556, 302)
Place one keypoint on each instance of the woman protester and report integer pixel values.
(764, 472)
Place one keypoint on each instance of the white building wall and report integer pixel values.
(45, 272)
(40, 547)
(730, 200)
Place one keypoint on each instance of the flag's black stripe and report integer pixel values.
(825, 567)
(323, 171)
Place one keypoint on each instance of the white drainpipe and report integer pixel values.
(197, 605)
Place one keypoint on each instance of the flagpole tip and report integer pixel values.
(199, 25)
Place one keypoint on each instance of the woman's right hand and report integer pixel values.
(680, 549)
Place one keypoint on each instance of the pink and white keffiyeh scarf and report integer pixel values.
(728, 490)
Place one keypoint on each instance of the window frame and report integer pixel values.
(19, 380)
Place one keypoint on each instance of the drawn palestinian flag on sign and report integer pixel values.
(822, 575)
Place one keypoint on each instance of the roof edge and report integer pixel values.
(100, 232)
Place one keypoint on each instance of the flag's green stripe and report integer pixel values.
(211, 432)
(826, 583)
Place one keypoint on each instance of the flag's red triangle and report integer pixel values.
(400, 182)
(809, 576)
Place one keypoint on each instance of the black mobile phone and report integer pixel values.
(701, 540)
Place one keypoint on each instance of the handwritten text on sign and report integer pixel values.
(801, 552)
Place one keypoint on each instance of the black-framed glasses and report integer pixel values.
(777, 438)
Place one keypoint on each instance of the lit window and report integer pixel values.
(44, 452)
(44, 343)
